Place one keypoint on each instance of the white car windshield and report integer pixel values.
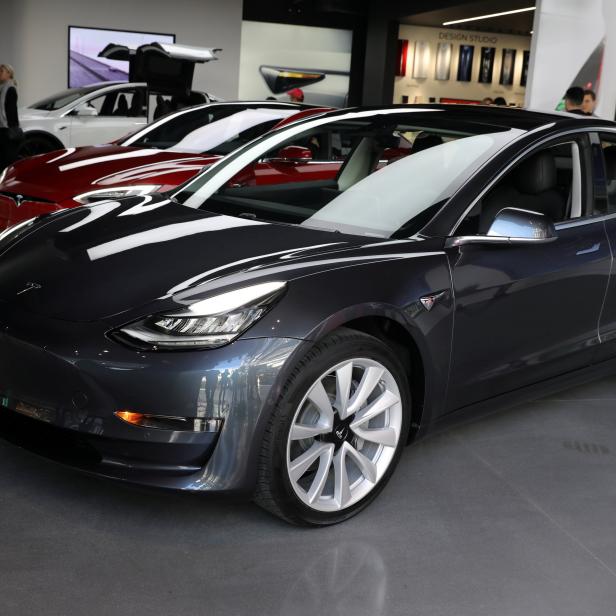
(371, 174)
(215, 130)
(384, 202)
(64, 98)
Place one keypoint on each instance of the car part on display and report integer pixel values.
(486, 65)
(421, 60)
(465, 62)
(507, 66)
(280, 79)
(442, 68)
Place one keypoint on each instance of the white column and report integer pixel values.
(565, 34)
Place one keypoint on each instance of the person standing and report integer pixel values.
(10, 133)
(574, 97)
(589, 102)
(296, 95)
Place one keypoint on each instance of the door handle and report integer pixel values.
(586, 251)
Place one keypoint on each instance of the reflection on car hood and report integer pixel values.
(60, 175)
(26, 113)
(93, 262)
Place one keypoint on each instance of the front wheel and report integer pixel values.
(337, 431)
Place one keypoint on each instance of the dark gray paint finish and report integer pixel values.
(143, 255)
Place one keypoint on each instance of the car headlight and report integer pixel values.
(206, 324)
(115, 192)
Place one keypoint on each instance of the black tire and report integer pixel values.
(31, 145)
(274, 491)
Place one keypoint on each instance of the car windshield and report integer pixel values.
(64, 98)
(370, 173)
(215, 130)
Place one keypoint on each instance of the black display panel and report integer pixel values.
(465, 62)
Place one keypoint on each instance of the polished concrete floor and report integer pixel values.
(514, 514)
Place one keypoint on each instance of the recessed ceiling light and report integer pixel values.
(459, 21)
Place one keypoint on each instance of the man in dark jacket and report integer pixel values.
(574, 97)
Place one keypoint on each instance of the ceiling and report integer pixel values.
(346, 13)
(520, 23)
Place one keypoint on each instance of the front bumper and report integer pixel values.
(61, 383)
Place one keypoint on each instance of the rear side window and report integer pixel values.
(127, 103)
(62, 99)
(608, 150)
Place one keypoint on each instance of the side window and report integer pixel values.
(608, 148)
(549, 181)
(331, 147)
(130, 102)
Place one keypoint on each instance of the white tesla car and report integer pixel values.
(161, 81)
(94, 114)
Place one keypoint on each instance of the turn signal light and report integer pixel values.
(130, 417)
(169, 422)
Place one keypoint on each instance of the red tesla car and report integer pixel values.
(159, 157)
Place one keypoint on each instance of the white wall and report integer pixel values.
(38, 48)
(565, 33)
(420, 90)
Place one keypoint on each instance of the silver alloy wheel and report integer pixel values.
(344, 434)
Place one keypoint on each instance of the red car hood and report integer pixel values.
(58, 176)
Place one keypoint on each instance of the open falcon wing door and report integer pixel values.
(165, 67)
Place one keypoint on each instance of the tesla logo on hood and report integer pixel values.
(18, 200)
(30, 286)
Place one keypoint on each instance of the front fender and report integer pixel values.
(318, 304)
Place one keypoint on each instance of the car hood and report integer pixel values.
(118, 257)
(27, 113)
(61, 175)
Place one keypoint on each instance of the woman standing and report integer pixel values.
(10, 133)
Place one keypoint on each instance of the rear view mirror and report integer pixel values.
(293, 154)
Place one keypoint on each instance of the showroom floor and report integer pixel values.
(512, 514)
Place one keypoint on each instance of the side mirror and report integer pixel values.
(513, 226)
(85, 110)
(522, 226)
(292, 154)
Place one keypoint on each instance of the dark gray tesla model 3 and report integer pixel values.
(286, 338)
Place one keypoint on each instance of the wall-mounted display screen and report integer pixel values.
(403, 52)
(465, 62)
(421, 60)
(278, 58)
(84, 45)
(486, 66)
(507, 66)
(442, 68)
